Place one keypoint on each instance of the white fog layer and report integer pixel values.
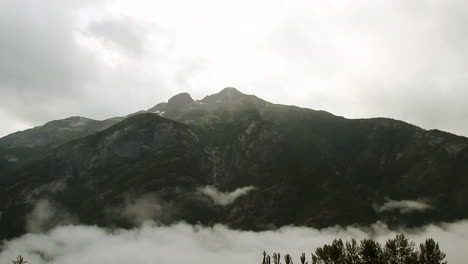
(182, 243)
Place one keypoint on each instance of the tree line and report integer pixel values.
(398, 250)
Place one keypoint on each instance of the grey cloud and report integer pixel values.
(404, 206)
(41, 63)
(147, 207)
(45, 215)
(182, 243)
(365, 58)
(400, 59)
(48, 72)
(38, 48)
(224, 198)
(128, 34)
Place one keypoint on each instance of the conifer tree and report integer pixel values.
(276, 258)
(370, 252)
(19, 260)
(400, 251)
(303, 259)
(429, 252)
(329, 254)
(351, 252)
(288, 259)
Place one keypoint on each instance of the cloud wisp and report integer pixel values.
(404, 206)
(182, 243)
(224, 198)
(46, 214)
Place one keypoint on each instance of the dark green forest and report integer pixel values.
(399, 250)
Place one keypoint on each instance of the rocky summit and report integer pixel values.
(230, 158)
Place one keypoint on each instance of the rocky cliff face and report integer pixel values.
(304, 167)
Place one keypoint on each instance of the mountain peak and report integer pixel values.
(182, 98)
(231, 96)
(179, 101)
(229, 92)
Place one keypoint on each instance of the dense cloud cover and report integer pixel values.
(182, 243)
(360, 58)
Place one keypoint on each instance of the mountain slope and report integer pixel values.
(25, 146)
(140, 153)
(55, 132)
(307, 167)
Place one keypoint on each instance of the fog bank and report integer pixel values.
(183, 243)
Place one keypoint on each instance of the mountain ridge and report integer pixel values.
(158, 109)
(305, 167)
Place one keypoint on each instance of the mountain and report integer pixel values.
(221, 107)
(25, 146)
(55, 133)
(305, 167)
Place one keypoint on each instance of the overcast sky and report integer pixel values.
(357, 58)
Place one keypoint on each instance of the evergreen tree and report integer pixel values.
(288, 259)
(276, 258)
(396, 251)
(19, 260)
(351, 252)
(329, 254)
(303, 259)
(370, 252)
(429, 252)
(400, 251)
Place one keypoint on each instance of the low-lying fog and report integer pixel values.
(183, 243)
